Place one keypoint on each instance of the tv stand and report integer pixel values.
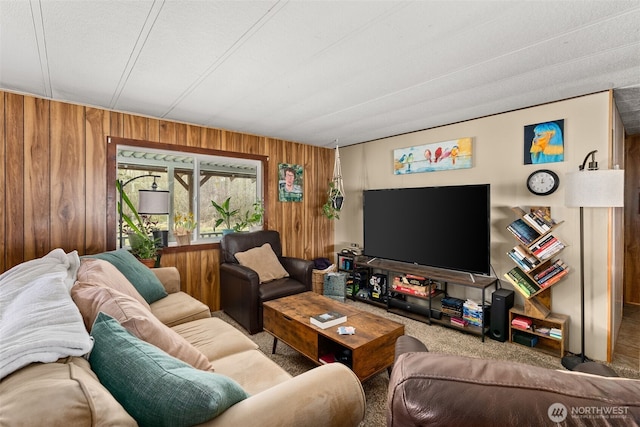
(427, 307)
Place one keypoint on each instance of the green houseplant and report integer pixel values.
(333, 205)
(252, 218)
(143, 246)
(225, 215)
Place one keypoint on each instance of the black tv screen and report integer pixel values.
(446, 227)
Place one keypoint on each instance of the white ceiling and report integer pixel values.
(317, 71)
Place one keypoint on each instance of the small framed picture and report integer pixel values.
(544, 142)
(290, 182)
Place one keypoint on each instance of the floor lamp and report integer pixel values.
(150, 202)
(590, 188)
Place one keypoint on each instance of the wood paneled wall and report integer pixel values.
(632, 221)
(54, 190)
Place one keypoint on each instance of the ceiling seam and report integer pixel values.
(246, 36)
(41, 42)
(141, 40)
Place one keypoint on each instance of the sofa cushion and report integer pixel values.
(263, 261)
(155, 388)
(214, 338)
(138, 274)
(179, 308)
(92, 299)
(103, 273)
(59, 394)
(263, 375)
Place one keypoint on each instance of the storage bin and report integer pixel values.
(317, 278)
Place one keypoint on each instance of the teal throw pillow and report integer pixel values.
(155, 388)
(140, 276)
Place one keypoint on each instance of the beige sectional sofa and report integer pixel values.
(68, 392)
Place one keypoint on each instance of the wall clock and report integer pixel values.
(543, 182)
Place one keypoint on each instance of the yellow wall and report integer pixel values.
(498, 160)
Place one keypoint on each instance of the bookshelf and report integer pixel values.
(535, 255)
(540, 331)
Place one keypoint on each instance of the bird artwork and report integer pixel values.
(440, 156)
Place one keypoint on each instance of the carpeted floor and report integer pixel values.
(437, 338)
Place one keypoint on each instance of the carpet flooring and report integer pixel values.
(437, 338)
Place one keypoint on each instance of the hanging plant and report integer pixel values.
(333, 205)
(331, 209)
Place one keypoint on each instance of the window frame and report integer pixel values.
(112, 169)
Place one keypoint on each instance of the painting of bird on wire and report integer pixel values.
(437, 156)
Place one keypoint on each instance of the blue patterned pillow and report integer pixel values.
(155, 388)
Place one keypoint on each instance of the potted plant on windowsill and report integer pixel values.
(183, 226)
(143, 245)
(225, 215)
(252, 218)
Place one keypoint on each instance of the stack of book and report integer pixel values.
(472, 312)
(525, 260)
(555, 333)
(551, 274)
(547, 247)
(538, 220)
(523, 232)
(522, 282)
(541, 280)
(459, 322)
(327, 320)
(452, 306)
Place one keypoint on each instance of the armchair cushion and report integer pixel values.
(263, 261)
(155, 388)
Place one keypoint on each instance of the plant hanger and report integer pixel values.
(337, 189)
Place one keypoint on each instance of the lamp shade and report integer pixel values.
(594, 188)
(153, 202)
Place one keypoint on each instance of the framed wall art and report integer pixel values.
(544, 142)
(437, 156)
(290, 182)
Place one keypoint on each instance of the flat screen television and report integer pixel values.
(446, 227)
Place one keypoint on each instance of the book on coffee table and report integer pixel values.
(328, 319)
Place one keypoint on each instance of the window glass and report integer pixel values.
(193, 180)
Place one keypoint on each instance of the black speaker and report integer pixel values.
(501, 302)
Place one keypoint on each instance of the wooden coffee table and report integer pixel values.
(371, 348)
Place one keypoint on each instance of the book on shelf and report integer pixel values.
(545, 215)
(555, 278)
(328, 319)
(327, 358)
(459, 322)
(536, 223)
(551, 250)
(523, 232)
(522, 282)
(555, 333)
(542, 243)
(525, 261)
(558, 268)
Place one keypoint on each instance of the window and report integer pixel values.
(194, 177)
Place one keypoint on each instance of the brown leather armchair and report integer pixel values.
(241, 293)
(448, 390)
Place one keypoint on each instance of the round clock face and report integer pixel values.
(543, 182)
